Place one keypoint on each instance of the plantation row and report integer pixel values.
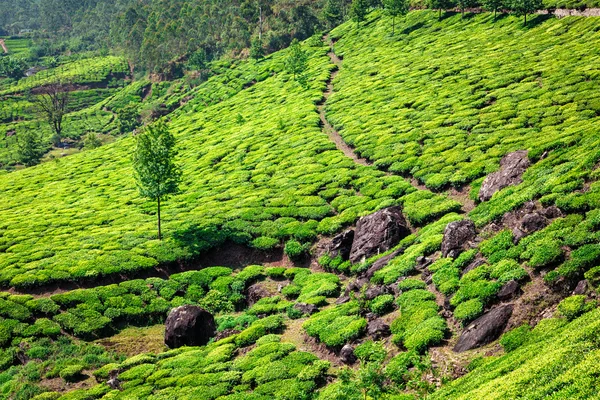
(254, 172)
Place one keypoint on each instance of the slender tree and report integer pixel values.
(524, 7)
(30, 147)
(296, 61)
(359, 9)
(440, 5)
(52, 102)
(333, 13)
(395, 8)
(493, 5)
(462, 4)
(156, 173)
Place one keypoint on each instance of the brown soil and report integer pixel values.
(59, 385)
(133, 341)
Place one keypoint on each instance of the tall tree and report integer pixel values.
(395, 8)
(296, 61)
(493, 5)
(462, 4)
(333, 13)
(30, 147)
(440, 5)
(52, 102)
(524, 7)
(359, 9)
(156, 173)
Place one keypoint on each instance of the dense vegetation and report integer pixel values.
(433, 107)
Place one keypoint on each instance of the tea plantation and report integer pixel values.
(257, 233)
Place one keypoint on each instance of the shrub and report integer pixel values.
(515, 338)
(72, 373)
(482, 290)
(411, 284)
(370, 351)
(507, 270)
(291, 291)
(294, 249)
(275, 272)
(250, 335)
(382, 304)
(469, 310)
(545, 252)
(574, 306)
(398, 367)
(265, 243)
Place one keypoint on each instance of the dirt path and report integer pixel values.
(327, 127)
(3, 45)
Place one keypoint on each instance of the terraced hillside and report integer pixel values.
(473, 140)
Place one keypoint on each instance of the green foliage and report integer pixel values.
(30, 148)
(12, 67)
(336, 326)
(296, 62)
(468, 310)
(359, 10)
(71, 373)
(515, 338)
(383, 304)
(294, 249)
(574, 306)
(395, 8)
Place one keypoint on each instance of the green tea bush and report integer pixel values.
(574, 306)
(468, 311)
(336, 326)
(71, 373)
(383, 304)
(515, 338)
(411, 284)
(294, 249)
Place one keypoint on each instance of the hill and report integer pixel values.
(482, 132)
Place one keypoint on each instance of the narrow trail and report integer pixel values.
(327, 127)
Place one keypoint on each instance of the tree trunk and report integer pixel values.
(494, 14)
(440, 14)
(525, 23)
(260, 23)
(393, 25)
(462, 12)
(159, 233)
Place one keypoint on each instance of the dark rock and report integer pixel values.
(508, 291)
(357, 284)
(113, 380)
(374, 291)
(377, 233)
(512, 167)
(189, 326)
(347, 354)
(533, 222)
(255, 293)
(478, 262)
(308, 309)
(518, 235)
(371, 316)
(226, 333)
(378, 329)
(581, 287)
(342, 300)
(551, 212)
(341, 245)
(381, 263)
(484, 329)
(456, 236)
(422, 262)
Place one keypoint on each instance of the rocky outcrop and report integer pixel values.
(509, 290)
(347, 354)
(381, 263)
(512, 167)
(484, 329)
(341, 245)
(113, 381)
(457, 235)
(189, 326)
(306, 309)
(255, 293)
(377, 233)
(581, 287)
(378, 329)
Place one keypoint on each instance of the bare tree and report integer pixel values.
(52, 102)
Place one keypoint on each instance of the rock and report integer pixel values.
(378, 329)
(551, 212)
(518, 235)
(478, 262)
(377, 233)
(484, 329)
(512, 167)
(226, 333)
(371, 316)
(255, 293)
(357, 284)
(189, 326)
(342, 300)
(456, 235)
(533, 222)
(341, 245)
(113, 380)
(347, 354)
(508, 291)
(308, 309)
(381, 263)
(581, 287)
(374, 291)
(422, 262)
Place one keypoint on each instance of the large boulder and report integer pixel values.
(378, 329)
(381, 263)
(255, 293)
(347, 354)
(512, 167)
(484, 329)
(341, 245)
(377, 233)
(189, 326)
(456, 236)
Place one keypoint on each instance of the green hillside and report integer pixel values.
(418, 119)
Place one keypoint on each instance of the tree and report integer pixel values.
(524, 7)
(462, 4)
(128, 118)
(52, 102)
(296, 61)
(256, 49)
(395, 8)
(440, 5)
(333, 13)
(359, 9)
(156, 173)
(30, 147)
(12, 67)
(493, 5)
